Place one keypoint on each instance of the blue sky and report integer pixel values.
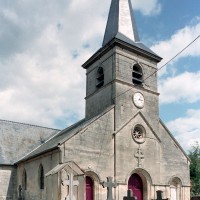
(173, 16)
(44, 43)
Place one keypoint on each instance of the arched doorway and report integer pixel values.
(175, 188)
(135, 184)
(89, 188)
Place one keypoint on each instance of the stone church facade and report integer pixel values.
(121, 139)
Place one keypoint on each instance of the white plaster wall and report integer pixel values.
(7, 182)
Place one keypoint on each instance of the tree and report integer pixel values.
(194, 155)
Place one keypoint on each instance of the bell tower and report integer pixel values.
(120, 72)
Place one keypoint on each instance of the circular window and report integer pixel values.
(138, 134)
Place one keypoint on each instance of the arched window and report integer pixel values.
(137, 75)
(100, 77)
(41, 177)
(89, 188)
(24, 180)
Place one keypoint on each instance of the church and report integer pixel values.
(120, 145)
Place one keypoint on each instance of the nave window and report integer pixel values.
(41, 177)
(24, 180)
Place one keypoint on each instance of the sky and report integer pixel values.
(43, 44)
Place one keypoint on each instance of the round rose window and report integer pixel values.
(138, 134)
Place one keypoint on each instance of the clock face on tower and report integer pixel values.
(138, 100)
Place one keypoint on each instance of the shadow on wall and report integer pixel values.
(11, 192)
(195, 198)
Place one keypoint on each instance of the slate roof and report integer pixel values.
(18, 139)
(139, 45)
(63, 136)
(68, 166)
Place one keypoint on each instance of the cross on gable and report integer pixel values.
(109, 184)
(139, 155)
(129, 196)
(71, 183)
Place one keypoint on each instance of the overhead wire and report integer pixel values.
(101, 149)
(162, 65)
(173, 58)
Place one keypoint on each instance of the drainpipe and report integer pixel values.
(115, 170)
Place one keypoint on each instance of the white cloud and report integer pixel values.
(186, 129)
(150, 7)
(169, 48)
(42, 49)
(180, 88)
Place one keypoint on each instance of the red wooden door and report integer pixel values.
(89, 188)
(136, 185)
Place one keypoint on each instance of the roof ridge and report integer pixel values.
(65, 134)
(27, 124)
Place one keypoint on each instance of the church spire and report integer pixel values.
(121, 22)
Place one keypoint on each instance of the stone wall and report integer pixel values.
(99, 98)
(33, 191)
(7, 182)
(16, 141)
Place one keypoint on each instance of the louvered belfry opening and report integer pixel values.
(100, 77)
(137, 75)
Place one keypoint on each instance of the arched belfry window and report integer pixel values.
(137, 75)
(100, 77)
(24, 180)
(41, 177)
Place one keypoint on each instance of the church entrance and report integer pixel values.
(135, 184)
(89, 188)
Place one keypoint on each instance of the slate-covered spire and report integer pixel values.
(121, 22)
(121, 26)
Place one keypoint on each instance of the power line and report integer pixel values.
(162, 65)
(173, 57)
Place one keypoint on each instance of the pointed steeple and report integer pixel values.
(121, 30)
(121, 26)
(121, 21)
